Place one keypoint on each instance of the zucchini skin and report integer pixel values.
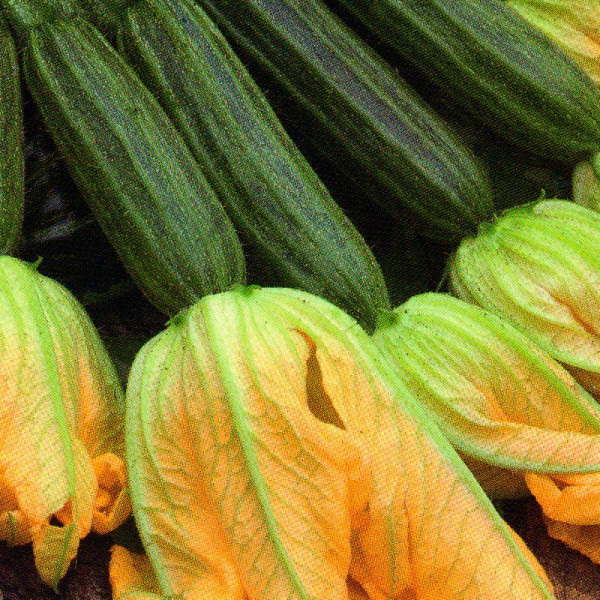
(11, 144)
(358, 114)
(495, 65)
(133, 168)
(282, 210)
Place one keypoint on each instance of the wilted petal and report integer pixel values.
(131, 576)
(571, 506)
(574, 499)
(112, 505)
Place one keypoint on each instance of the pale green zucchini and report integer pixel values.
(132, 166)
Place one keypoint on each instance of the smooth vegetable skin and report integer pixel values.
(277, 202)
(496, 65)
(145, 188)
(11, 144)
(354, 110)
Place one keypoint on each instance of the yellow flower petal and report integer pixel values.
(517, 416)
(176, 517)
(55, 379)
(54, 548)
(497, 397)
(112, 505)
(281, 480)
(311, 462)
(571, 506)
(132, 577)
(572, 499)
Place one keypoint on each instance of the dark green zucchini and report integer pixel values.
(497, 66)
(281, 209)
(132, 166)
(357, 113)
(11, 144)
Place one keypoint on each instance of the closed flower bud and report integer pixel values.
(520, 419)
(538, 266)
(273, 454)
(62, 470)
(572, 24)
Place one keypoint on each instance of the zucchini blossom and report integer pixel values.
(62, 469)
(519, 419)
(273, 453)
(538, 265)
(572, 24)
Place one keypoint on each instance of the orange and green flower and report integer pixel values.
(62, 469)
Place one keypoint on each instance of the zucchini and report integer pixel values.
(497, 66)
(283, 212)
(133, 168)
(357, 113)
(11, 144)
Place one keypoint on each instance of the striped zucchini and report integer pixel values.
(277, 202)
(11, 144)
(357, 113)
(496, 65)
(132, 166)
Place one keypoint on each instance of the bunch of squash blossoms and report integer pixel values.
(270, 448)
(273, 452)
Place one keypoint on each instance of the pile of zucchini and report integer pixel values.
(217, 142)
(191, 174)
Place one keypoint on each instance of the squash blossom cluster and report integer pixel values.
(62, 469)
(519, 420)
(273, 453)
